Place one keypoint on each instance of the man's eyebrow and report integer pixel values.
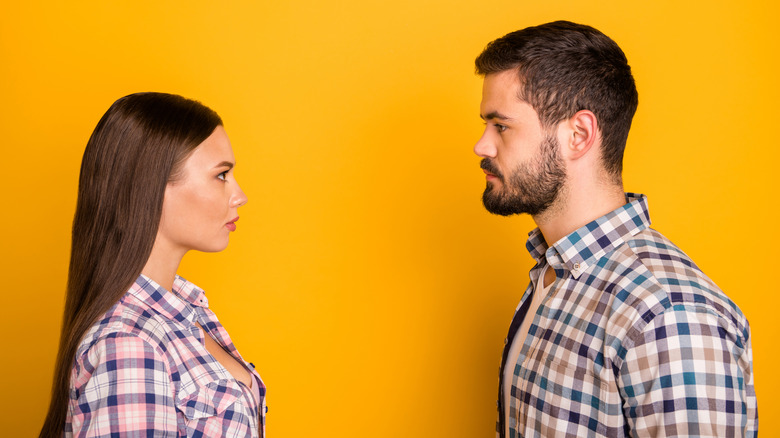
(227, 164)
(494, 115)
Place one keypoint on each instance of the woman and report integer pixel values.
(141, 354)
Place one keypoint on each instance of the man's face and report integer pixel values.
(522, 162)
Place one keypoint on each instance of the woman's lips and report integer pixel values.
(232, 224)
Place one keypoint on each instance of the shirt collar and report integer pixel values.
(190, 293)
(178, 305)
(586, 245)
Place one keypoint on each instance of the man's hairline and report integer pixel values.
(519, 77)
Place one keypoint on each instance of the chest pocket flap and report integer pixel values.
(200, 400)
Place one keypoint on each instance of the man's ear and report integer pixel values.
(582, 132)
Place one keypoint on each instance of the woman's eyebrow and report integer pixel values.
(227, 164)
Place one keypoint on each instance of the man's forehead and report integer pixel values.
(505, 78)
(500, 96)
(502, 86)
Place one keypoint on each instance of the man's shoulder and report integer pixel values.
(657, 275)
(668, 264)
(662, 256)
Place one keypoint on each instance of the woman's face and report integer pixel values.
(201, 206)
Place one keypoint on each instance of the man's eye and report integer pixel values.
(499, 127)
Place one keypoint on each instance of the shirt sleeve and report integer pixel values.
(689, 373)
(128, 393)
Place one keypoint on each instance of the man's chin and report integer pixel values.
(494, 203)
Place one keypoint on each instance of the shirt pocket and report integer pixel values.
(199, 400)
(564, 396)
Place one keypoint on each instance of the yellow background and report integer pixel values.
(366, 281)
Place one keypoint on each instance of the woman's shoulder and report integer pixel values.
(127, 322)
(107, 369)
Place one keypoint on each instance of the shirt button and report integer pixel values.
(576, 266)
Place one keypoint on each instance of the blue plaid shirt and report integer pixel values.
(632, 340)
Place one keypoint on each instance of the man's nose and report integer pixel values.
(485, 148)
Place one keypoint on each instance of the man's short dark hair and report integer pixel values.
(566, 67)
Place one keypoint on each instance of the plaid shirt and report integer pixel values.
(143, 370)
(632, 340)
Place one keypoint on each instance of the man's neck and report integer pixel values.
(576, 208)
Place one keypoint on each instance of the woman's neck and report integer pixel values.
(162, 265)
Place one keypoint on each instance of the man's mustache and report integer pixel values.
(487, 165)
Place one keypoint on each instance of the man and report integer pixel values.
(618, 333)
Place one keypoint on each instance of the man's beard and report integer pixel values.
(531, 188)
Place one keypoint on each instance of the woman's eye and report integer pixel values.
(222, 176)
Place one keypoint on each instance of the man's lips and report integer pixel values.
(490, 170)
(232, 224)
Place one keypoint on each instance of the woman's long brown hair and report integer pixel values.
(136, 149)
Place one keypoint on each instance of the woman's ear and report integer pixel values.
(581, 133)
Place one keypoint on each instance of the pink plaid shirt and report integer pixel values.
(143, 370)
